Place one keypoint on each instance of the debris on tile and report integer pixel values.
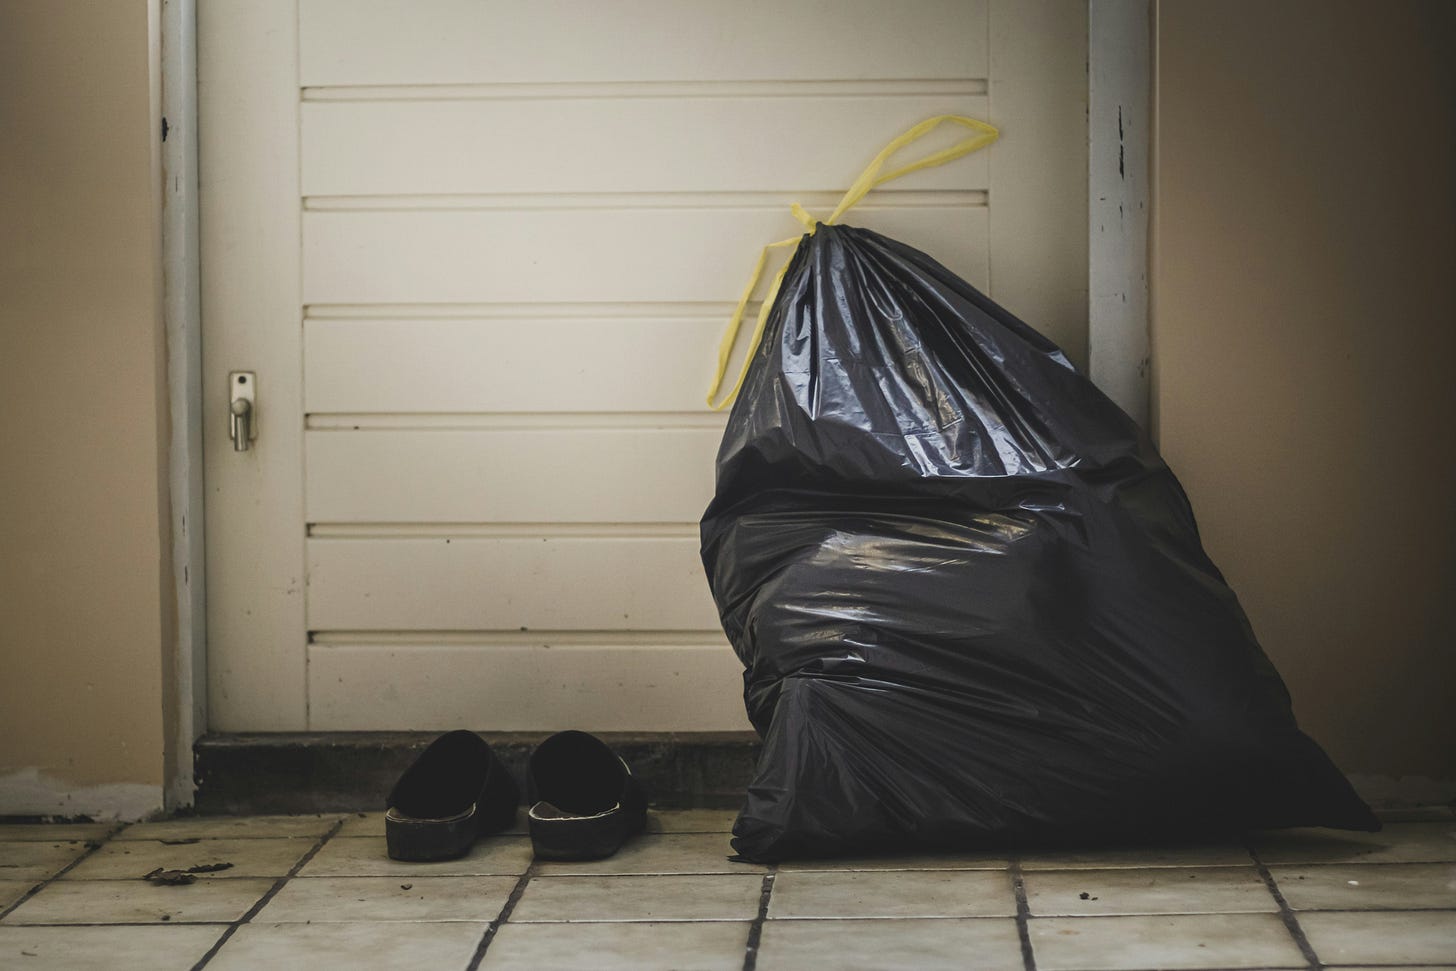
(1086, 896)
(162, 877)
(209, 867)
(406, 886)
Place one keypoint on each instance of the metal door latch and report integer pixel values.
(242, 422)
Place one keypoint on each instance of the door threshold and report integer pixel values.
(260, 773)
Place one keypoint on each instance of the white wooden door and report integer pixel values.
(479, 253)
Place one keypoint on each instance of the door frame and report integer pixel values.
(1119, 49)
(182, 319)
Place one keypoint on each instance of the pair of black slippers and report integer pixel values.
(585, 802)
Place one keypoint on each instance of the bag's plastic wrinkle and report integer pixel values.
(969, 596)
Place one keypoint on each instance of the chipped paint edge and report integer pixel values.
(31, 792)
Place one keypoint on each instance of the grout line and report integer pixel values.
(130, 923)
(857, 918)
(91, 847)
(755, 930)
(1023, 914)
(1448, 908)
(505, 914)
(1286, 913)
(268, 897)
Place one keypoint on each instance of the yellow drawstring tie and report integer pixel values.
(871, 177)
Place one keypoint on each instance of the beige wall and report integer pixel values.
(1304, 341)
(85, 604)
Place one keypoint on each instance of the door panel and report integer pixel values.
(618, 580)
(409, 42)
(479, 255)
(638, 363)
(537, 474)
(568, 680)
(470, 146)
(586, 255)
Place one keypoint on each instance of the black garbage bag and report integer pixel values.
(969, 596)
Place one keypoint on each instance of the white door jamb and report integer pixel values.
(1119, 86)
(182, 318)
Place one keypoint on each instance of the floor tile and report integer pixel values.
(719, 896)
(1185, 941)
(691, 820)
(130, 860)
(1376, 886)
(53, 832)
(1427, 937)
(231, 827)
(1433, 842)
(975, 944)
(31, 860)
(136, 902)
(160, 948)
(1157, 890)
(669, 853)
(366, 856)
(13, 890)
(350, 946)
(903, 861)
(372, 824)
(705, 946)
(319, 899)
(362, 824)
(893, 893)
(1183, 855)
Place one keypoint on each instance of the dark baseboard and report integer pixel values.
(313, 772)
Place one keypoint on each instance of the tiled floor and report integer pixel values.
(317, 892)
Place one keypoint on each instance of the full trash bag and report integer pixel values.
(968, 594)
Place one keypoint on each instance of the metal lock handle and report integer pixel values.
(242, 421)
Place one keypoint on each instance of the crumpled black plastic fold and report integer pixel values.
(968, 594)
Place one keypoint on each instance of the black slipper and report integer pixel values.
(586, 802)
(456, 791)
